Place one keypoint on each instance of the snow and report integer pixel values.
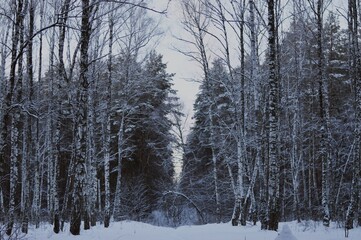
(129, 230)
(286, 234)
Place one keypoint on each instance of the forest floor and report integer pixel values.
(130, 230)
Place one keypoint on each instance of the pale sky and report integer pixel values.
(186, 70)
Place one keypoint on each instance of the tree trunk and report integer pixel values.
(35, 205)
(107, 130)
(81, 121)
(117, 197)
(256, 97)
(240, 209)
(273, 188)
(91, 165)
(91, 161)
(324, 150)
(214, 164)
(355, 70)
(13, 116)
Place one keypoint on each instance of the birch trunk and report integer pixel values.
(107, 128)
(240, 209)
(91, 166)
(56, 116)
(27, 129)
(35, 205)
(214, 164)
(55, 128)
(295, 126)
(12, 118)
(324, 150)
(106, 149)
(91, 190)
(256, 97)
(355, 70)
(273, 182)
(3, 85)
(117, 197)
(14, 172)
(81, 123)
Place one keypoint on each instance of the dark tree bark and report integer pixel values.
(11, 118)
(273, 108)
(324, 151)
(81, 122)
(355, 70)
(27, 123)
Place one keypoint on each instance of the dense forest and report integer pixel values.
(90, 122)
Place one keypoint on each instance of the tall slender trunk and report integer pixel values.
(91, 164)
(117, 197)
(81, 121)
(324, 150)
(294, 128)
(13, 116)
(355, 70)
(214, 165)
(240, 209)
(2, 112)
(106, 129)
(35, 205)
(3, 86)
(27, 125)
(106, 149)
(273, 188)
(91, 148)
(253, 75)
(57, 113)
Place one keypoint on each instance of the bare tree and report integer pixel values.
(13, 97)
(196, 23)
(318, 8)
(81, 119)
(272, 217)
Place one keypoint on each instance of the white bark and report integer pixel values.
(214, 164)
(14, 171)
(117, 197)
(107, 126)
(324, 150)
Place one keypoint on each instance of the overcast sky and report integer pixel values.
(186, 71)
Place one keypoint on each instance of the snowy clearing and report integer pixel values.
(129, 230)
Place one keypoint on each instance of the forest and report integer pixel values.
(91, 124)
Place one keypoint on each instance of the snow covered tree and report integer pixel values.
(79, 193)
(149, 131)
(272, 215)
(353, 208)
(198, 178)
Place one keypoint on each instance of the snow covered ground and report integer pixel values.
(128, 230)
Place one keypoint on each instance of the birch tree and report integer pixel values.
(355, 68)
(106, 123)
(273, 187)
(81, 119)
(318, 9)
(13, 97)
